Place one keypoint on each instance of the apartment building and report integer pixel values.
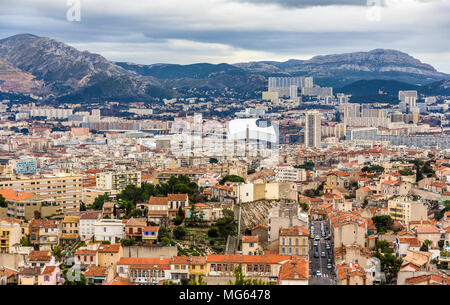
(23, 205)
(404, 210)
(285, 216)
(112, 230)
(293, 241)
(70, 230)
(63, 190)
(87, 224)
(288, 173)
(44, 233)
(10, 234)
(117, 180)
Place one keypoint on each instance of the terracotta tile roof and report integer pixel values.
(158, 201)
(48, 270)
(14, 195)
(189, 260)
(8, 272)
(151, 229)
(348, 270)
(40, 256)
(94, 271)
(136, 222)
(89, 215)
(294, 269)
(86, 252)
(119, 281)
(250, 239)
(427, 230)
(145, 263)
(238, 258)
(412, 241)
(177, 197)
(296, 230)
(30, 271)
(109, 248)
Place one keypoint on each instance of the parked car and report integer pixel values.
(324, 254)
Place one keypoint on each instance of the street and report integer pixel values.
(320, 263)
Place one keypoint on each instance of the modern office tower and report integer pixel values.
(408, 101)
(368, 133)
(351, 111)
(313, 129)
(342, 98)
(286, 82)
(317, 91)
(293, 92)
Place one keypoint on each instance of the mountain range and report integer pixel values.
(44, 66)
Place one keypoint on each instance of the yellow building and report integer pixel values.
(150, 235)
(23, 204)
(294, 241)
(10, 234)
(70, 230)
(109, 255)
(251, 246)
(117, 180)
(401, 209)
(61, 190)
(191, 267)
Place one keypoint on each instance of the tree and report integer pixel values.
(308, 165)
(240, 280)
(25, 241)
(383, 223)
(373, 169)
(231, 178)
(390, 264)
(3, 203)
(184, 281)
(425, 246)
(179, 232)
(383, 246)
(163, 232)
(180, 217)
(99, 201)
(165, 241)
(213, 233)
(227, 225)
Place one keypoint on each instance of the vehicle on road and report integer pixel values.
(327, 237)
(317, 237)
(327, 246)
(316, 243)
(318, 273)
(329, 261)
(329, 266)
(316, 254)
(312, 236)
(324, 254)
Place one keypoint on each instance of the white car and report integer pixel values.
(318, 273)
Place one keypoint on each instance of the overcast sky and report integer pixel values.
(190, 31)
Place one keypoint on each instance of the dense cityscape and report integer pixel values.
(304, 172)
